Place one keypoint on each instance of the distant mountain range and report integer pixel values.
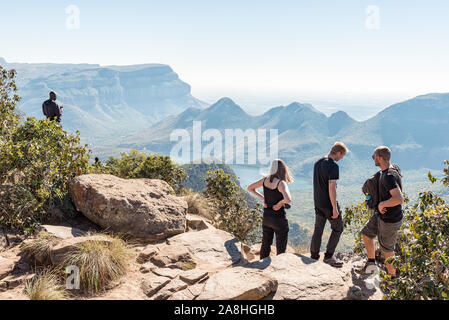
(104, 102)
(417, 131)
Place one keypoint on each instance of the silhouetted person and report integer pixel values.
(51, 109)
(97, 161)
(325, 176)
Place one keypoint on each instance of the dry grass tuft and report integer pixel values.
(45, 286)
(38, 247)
(198, 205)
(99, 262)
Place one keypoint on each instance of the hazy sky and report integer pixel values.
(270, 48)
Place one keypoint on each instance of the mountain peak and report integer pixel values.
(3, 61)
(226, 105)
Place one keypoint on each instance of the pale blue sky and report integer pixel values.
(272, 48)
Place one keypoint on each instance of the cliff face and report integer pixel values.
(102, 102)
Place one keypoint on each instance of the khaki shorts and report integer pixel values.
(387, 233)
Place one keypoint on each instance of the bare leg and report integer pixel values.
(391, 270)
(369, 245)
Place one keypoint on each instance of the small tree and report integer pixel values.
(231, 211)
(37, 159)
(424, 264)
(8, 102)
(139, 165)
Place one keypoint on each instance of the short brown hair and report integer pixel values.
(384, 152)
(339, 147)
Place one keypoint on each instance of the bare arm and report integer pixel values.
(258, 184)
(283, 188)
(333, 197)
(397, 198)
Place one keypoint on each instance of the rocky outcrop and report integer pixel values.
(142, 208)
(211, 249)
(238, 283)
(300, 277)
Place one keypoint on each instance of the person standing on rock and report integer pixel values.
(387, 220)
(325, 176)
(276, 196)
(51, 109)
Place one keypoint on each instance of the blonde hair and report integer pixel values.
(339, 147)
(280, 170)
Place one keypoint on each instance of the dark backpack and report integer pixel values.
(371, 188)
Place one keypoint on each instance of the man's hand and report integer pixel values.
(277, 206)
(382, 208)
(265, 205)
(335, 213)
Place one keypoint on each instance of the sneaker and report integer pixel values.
(368, 268)
(333, 262)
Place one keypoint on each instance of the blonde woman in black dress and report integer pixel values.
(275, 195)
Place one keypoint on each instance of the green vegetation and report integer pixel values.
(37, 158)
(423, 262)
(230, 209)
(134, 165)
(45, 286)
(197, 174)
(424, 241)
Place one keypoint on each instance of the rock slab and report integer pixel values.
(143, 208)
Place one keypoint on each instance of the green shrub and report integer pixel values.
(8, 102)
(37, 159)
(424, 239)
(139, 165)
(230, 209)
(423, 262)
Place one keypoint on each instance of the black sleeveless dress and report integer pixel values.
(272, 196)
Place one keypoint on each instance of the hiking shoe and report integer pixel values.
(368, 268)
(333, 262)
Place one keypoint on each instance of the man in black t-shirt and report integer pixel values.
(387, 219)
(325, 176)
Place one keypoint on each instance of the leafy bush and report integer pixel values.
(230, 209)
(37, 159)
(8, 101)
(424, 263)
(423, 240)
(355, 218)
(139, 165)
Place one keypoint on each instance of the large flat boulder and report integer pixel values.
(238, 283)
(302, 278)
(143, 208)
(211, 249)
